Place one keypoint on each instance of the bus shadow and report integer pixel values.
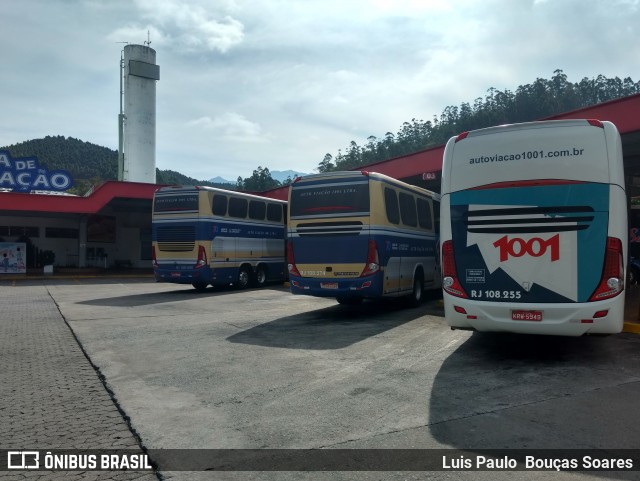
(508, 391)
(187, 293)
(332, 327)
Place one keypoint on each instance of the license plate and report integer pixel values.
(526, 315)
(329, 285)
(175, 274)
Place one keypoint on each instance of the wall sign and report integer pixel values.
(25, 174)
(13, 257)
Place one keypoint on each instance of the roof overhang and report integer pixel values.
(89, 204)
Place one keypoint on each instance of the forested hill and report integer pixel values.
(89, 164)
(538, 100)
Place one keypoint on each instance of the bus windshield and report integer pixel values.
(332, 199)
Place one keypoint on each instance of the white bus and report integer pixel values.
(534, 229)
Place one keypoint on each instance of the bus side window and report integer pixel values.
(408, 210)
(391, 205)
(274, 212)
(238, 207)
(424, 214)
(219, 205)
(257, 210)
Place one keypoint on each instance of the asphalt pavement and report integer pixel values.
(376, 377)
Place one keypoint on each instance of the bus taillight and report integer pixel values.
(612, 280)
(450, 281)
(154, 259)
(373, 262)
(202, 258)
(291, 265)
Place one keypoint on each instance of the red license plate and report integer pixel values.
(329, 285)
(526, 315)
(175, 274)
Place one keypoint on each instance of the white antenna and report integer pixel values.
(121, 120)
(148, 42)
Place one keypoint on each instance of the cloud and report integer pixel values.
(280, 83)
(185, 26)
(231, 126)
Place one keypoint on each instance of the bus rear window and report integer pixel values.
(175, 203)
(334, 199)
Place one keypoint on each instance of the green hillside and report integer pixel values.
(89, 164)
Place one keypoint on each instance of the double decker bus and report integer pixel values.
(534, 228)
(356, 235)
(206, 236)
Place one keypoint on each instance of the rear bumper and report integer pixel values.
(182, 276)
(364, 287)
(557, 319)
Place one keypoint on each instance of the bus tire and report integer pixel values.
(200, 286)
(244, 277)
(261, 276)
(415, 299)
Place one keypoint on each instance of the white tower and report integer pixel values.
(139, 131)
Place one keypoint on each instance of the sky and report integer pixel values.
(280, 83)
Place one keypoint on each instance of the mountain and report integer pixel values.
(279, 175)
(220, 180)
(282, 175)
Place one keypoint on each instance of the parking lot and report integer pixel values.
(265, 369)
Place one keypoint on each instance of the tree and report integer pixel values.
(326, 165)
(259, 181)
(539, 99)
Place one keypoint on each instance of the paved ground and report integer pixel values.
(52, 397)
(264, 369)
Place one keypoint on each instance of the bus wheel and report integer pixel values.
(200, 286)
(261, 276)
(243, 278)
(418, 289)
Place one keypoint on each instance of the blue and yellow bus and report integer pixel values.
(356, 235)
(203, 236)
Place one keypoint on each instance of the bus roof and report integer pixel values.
(363, 173)
(570, 150)
(178, 188)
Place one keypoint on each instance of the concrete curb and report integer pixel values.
(73, 276)
(631, 327)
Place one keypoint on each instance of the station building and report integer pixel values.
(111, 226)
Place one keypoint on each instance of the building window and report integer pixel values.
(61, 233)
(19, 230)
